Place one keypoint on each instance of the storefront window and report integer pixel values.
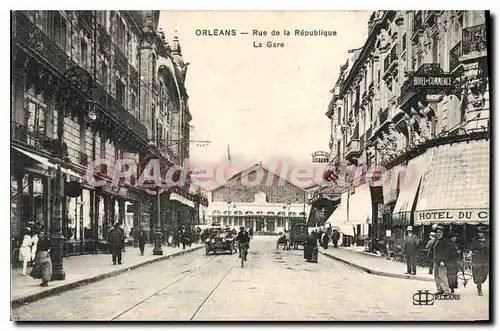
(15, 204)
(87, 223)
(32, 200)
(100, 218)
(128, 223)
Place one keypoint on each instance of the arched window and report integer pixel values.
(259, 213)
(293, 214)
(302, 213)
(216, 212)
(281, 213)
(248, 213)
(270, 213)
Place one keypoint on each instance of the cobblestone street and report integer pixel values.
(273, 285)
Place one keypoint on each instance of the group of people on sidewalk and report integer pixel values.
(35, 249)
(446, 260)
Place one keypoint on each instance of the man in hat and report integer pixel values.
(480, 260)
(428, 247)
(442, 254)
(116, 243)
(452, 265)
(410, 249)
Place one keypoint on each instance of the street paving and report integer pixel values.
(273, 285)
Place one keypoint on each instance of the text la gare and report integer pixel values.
(269, 44)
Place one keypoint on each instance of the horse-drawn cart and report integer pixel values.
(298, 234)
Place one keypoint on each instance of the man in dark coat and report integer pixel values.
(452, 266)
(442, 254)
(428, 247)
(116, 243)
(335, 237)
(410, 249)
(310, 244)
(143, 238)
(480, 248)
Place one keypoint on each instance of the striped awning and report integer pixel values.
(456, 189)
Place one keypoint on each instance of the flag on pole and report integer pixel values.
(228, 153)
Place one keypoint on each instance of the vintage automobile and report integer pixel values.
(219, 241)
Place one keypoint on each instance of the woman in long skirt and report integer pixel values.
(43, 265)
(480, 261)
(452, 265)
(25, 250)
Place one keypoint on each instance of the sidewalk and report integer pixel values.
(374, 264)
(86, 269)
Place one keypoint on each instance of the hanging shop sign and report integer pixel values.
(320, 157)
(452, 215)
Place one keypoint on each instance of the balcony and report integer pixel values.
(22, 136)
(474, 41)
(390, 61)
(362, 142)
(352, 149)
(134, 76)
(121, 61)
(35, 41)
(105, 44)
(85, 20)
(369, 133)
(428, 79)
(119, 113)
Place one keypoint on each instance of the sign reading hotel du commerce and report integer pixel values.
(455, 215)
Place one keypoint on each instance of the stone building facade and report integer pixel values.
(134, 81)
(410, 126)
(258, 199)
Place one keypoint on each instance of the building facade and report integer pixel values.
(127, 73)
(257, 199)
(410, 126)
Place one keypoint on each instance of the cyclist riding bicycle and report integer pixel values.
(243, 238)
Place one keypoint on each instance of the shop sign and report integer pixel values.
(432, 81)
(452, 215)
(320, 157)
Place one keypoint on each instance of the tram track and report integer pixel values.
(145, 300)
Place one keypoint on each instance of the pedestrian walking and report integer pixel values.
(143, 238)
(34, 243)
(335, 238)
(441, 256)
(25, 250)
(452, 265)
(480, 248)
(250, 232)
(42, 268)
(410, 249)
(116, 243)
(428, 247)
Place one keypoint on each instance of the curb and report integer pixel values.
(56, 290)
(375, 272)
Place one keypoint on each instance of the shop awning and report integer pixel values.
(177, 197)
(390, 185)
(409, 179)
(347, 229)
(45, 161)
(456, 189)
(339, 215)
(360, 205)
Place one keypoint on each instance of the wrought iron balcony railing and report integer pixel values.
(362, 141)
(23, 136)
(134, 76)
(105, 44)
(118, 112)
(455, 54)
(35, 40)
(369, 132)
(474, 39)
(121, 60)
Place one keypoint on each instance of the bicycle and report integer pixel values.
(243, 254)
(466, 268)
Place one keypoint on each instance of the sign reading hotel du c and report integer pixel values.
(445, 215)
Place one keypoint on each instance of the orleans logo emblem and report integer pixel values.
(423, 298)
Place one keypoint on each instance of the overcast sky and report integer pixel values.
(265, 103)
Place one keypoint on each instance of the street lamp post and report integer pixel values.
(229, 201)
(287, 207)
(158, 234)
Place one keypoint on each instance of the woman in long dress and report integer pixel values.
(43, 265)
(25, 250)
(34, 241)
